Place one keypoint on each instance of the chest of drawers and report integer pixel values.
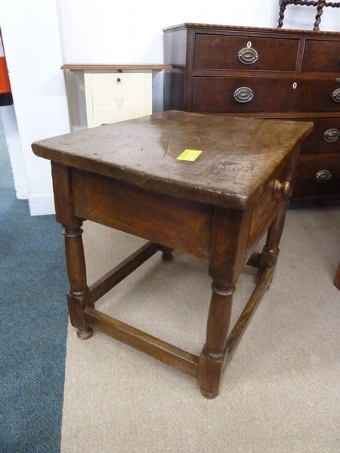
(268, 73)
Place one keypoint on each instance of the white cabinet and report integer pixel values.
(117, 96)
(116, 92)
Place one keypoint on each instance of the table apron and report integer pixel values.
(177, 223)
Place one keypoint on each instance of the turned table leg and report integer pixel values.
(270, 251)
(228, 241)
(337, 278)
(76, 269)
(212, 357)
(75, 259)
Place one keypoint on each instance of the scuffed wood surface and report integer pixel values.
(238, 154)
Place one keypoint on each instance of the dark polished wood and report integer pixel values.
(337, 278)
(268, 73)
(319, 4)
(127, 176)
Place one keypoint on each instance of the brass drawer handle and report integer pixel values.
(336, 95)
(331, 135)
(243, 94)
(283, 187)
(248, 55)
(323, 176)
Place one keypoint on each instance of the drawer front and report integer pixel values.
(274, 193)
(317, 176)
(256, 94)
(217, 95)
(325, 137)
(318, 95)
(245, 53)
(321, 56)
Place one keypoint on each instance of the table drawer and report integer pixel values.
(325, 137)
(321, 56)
(272, 194)
(243, 53)
(317, 176)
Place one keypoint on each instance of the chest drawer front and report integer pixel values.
(321, 56)
(318, 95)
(217, 94)
(325, 137)
(317, 176)
(222, 52)
(256, 94)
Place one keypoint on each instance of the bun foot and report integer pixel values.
(209, 394)
(84, 334)
(167, 254)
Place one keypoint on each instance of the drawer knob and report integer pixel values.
(331, 135)
(243, 94)
(119, 79)
(323, 176)
(336, 95)
(283, 187)
(248, 55)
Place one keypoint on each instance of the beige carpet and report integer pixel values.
(281, 391)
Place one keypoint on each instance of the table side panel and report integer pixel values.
(176, 223)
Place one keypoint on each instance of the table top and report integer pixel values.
(238, 155)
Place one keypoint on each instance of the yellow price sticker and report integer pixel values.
(189, 155)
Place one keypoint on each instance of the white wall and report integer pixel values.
(40, 35)
(15, 151)
(33, 53)
(103, 31)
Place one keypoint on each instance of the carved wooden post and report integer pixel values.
(75, 259)
(225, 265)
(321, 4)
(281, 13)
(76, 269)
(270, 251)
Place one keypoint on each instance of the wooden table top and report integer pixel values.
(237, 160)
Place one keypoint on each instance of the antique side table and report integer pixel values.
(207, 185)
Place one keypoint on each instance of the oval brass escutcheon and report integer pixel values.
(331, 135)
(248, 55)
(336, 95)
(243, 94)
(323, 176)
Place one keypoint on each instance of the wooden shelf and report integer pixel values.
(116, 67)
